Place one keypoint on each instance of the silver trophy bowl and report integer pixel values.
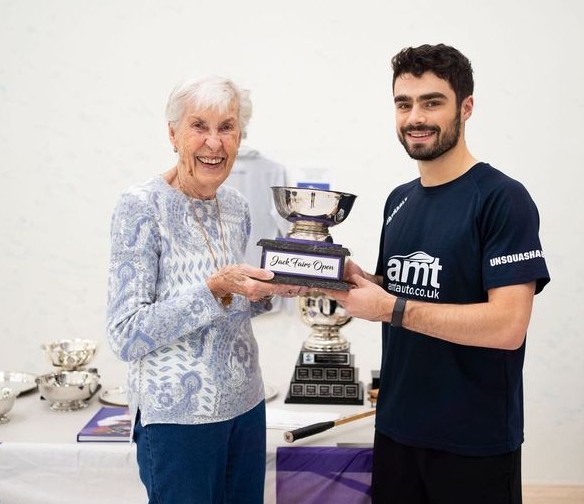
(70, 354)
(68, 390)
(7, 398)
(312, 211)
(308, 256)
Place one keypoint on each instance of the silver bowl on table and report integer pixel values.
(70, 354)
(68, 390)
(7, 398)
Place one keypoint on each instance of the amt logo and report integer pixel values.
(417, 268)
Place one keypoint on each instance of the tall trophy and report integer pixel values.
(307, 256)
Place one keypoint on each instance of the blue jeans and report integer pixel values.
(215, 463)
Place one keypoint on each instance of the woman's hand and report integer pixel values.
(250, 282)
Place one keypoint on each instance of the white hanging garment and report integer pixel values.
(253, 175)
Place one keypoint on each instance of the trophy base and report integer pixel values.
(357, 401)
(325, 378)
(317, 283)
(305, 263)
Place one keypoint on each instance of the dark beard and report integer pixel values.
(441, 146)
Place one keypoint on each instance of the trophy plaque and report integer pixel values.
(324, 372)
(307, 255)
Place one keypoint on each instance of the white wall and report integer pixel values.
(82, 92)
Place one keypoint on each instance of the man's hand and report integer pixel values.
(365, 299)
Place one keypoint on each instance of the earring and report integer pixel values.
(174, 148)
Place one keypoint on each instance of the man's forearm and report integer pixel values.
(501, 322)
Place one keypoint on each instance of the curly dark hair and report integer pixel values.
(444, 61)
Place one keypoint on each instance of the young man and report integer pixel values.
(459, 263)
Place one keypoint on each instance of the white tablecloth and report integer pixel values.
(42, 463)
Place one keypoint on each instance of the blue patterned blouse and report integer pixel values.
(191, 360)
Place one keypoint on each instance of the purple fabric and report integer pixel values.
(319, 475)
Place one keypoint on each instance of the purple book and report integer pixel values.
(110, 423)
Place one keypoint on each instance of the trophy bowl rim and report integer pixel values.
(314, 189)
(331, 216)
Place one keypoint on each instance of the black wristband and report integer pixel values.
(398, 312)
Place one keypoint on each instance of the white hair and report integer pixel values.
(208, 92)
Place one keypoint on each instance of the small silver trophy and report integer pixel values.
(324, 372)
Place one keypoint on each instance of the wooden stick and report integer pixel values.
(310, 430)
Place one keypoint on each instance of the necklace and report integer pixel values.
(226, 299)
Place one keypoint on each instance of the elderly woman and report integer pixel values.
(179, 309)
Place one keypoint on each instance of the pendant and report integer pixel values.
(226, 300)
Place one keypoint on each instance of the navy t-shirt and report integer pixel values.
(450, 244)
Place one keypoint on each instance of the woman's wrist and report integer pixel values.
(216, 287)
